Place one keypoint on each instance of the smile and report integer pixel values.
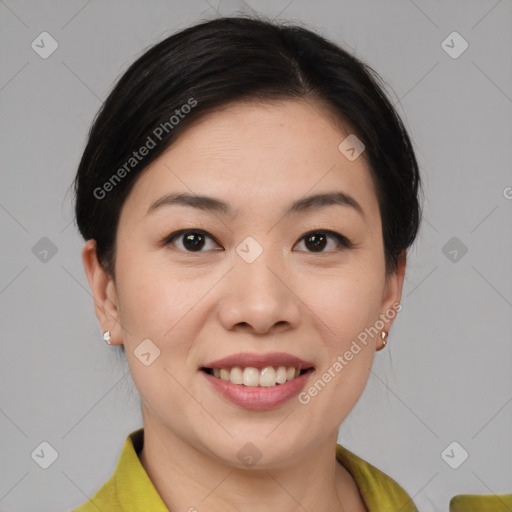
(266, 377)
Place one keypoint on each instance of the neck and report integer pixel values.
(188, 479)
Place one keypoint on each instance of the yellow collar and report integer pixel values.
(131, 490)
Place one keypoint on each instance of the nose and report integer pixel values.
(259, 297)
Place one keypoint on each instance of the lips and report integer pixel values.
(258, 381)
(258, 398)
(260, 361)
(255, 370)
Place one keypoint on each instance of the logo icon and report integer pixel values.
(351, 147)
(44, 250)
(147, 352)
(454, 249)
(44, 455)
(249, 455)
(454, 455)
(44, 45)
(249, 250)
(454, 45)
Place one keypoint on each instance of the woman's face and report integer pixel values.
(242, 282)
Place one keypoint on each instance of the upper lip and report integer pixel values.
(245, 360)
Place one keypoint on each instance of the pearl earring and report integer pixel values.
(384, 336)
(107, 336)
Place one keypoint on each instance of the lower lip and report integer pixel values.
(258, 398)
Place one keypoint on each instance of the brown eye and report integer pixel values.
(192, 240)
(317, 241)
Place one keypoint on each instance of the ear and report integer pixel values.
(392, 293)
(104, 292)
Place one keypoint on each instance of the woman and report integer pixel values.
(247, 196)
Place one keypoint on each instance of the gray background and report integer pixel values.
(446, 373)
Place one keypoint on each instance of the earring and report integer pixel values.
(384, 336)
(107, 336)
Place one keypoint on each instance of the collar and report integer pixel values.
(135, 491)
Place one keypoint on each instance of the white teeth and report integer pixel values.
(268, 377)
(253, 377)
(281, 375)
(236, 376)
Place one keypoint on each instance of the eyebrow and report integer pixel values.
(211, 204)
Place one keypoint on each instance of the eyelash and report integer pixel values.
(343, 241)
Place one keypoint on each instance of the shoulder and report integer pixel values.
(379, 491)
(129, 488)
(106, 498)
(481, 502)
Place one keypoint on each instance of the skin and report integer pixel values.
(198, 307)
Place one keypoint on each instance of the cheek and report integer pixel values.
(347, 302)
(156, 304)
(154, 297)
(345, 307)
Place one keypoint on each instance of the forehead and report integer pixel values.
(258, 156)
